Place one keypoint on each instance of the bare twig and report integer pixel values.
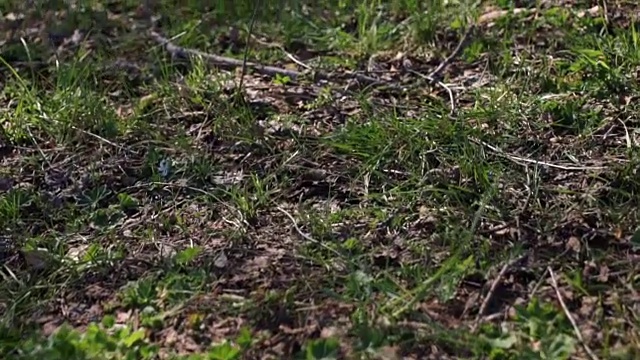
(222, 61)
(519, 159)
(281, 48)
(231, 63)
(492, 289)
(461, 45)
(306, 236)
(433, 76)
(452, 99)
(586, 347)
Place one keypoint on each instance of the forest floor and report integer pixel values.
(412, 180)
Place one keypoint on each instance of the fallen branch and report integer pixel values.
(305, 235)
(434, 75)
(492, 289)
(231, 63)
(452, 99)
(520, 160)
(461, 45)
(576, 329)
(281, 48)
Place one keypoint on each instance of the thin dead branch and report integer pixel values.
(586, 347)
(492, 289)
(231, 63)
(456, 52)
(523, 161)
(452, 100)
(281, 48)
(304, 235)
(433, 76)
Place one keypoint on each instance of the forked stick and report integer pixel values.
(231, 63)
